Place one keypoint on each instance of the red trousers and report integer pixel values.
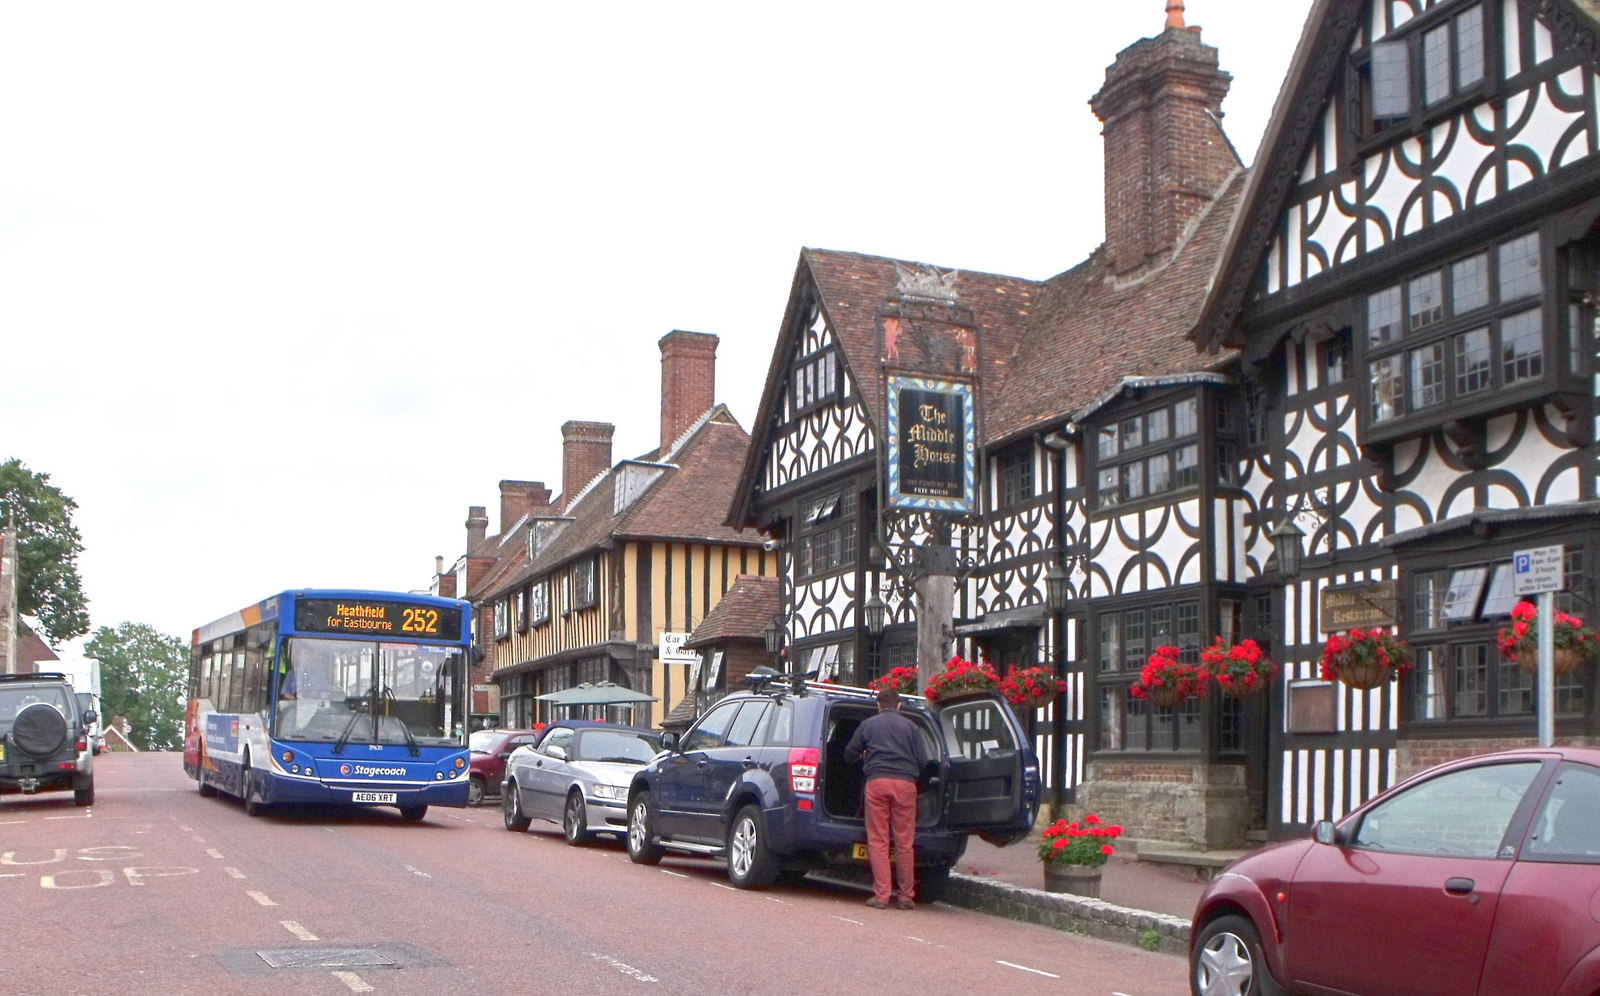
(892, 815)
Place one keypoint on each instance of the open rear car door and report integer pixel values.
(991, 777)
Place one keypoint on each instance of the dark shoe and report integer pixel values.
(877, 903)
(904, 904)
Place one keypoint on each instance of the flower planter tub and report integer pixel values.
(1078, 880)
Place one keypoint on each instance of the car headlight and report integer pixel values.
(617, 792)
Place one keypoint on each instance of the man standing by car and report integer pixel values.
(892, 745)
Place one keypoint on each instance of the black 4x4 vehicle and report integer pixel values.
(761, 780)
(44, 736)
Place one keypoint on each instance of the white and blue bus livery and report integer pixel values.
(332, 698)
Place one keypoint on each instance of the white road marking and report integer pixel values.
(12, 875)
(624, 968)
(298, 930)
(354, 981)
(673, 874)
(780, 902)
(12, 823)
(261, 897)
(419, 874)
(722, 885)
(84, 817)
(858, 923)
(1024, 968)
(234, 872)
(186, 829)
(213, 852)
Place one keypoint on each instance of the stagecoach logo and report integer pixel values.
(367, 769)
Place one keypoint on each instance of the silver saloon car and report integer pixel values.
(576, 776)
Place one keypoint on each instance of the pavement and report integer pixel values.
(1155, 887)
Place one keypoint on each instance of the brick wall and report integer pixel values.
(1412, 756)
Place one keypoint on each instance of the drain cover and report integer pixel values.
(325, 958)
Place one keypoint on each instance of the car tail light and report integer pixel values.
(81, 746)
(803, 763)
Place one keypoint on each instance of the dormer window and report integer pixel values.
(1149, 453)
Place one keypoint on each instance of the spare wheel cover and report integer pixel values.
(39, 730)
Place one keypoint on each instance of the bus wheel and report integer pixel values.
(253, 806)
(206, 789)
(413, 813)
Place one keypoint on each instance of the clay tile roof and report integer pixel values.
(743, 612)
(686, 502)
(1090, 330)
(856, 289)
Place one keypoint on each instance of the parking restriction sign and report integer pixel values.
(1538, 570)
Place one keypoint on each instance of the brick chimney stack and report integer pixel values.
(477, 527)
(585, 454)
(1166, 157)
(519, 499)
(688, 382)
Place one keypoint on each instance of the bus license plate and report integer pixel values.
(389, 797)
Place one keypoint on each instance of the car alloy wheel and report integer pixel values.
(474, 791)
(1228, 961)
(575, 819)
(511, 808)
(750, 864)
(642, 846)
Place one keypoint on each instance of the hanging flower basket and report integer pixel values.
(901, 679)
(1574, 643)
(1166, 681)
(1031, 687)
(1563, 661)
(1241, 669)
(1365, 658)
(962, 678)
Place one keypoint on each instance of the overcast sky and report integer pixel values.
(285, 288)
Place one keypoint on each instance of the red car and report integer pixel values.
(490, 748)
(1481, 876)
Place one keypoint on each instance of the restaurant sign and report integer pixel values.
(1358, 606)
(933, 451)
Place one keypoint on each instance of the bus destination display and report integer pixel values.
(368, 617)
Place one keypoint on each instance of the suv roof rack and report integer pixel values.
(37, 676)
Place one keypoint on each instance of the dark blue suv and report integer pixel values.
(761, 780)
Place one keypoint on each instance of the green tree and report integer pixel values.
(144, 675)
(48, 545)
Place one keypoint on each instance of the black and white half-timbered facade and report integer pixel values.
(1108, 447)
(1411, 288)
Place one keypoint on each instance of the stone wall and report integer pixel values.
(1202, 805)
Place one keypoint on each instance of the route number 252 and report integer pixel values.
(420, 621)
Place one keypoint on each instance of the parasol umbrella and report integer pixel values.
(603, 693)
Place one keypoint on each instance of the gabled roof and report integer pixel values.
(685, 503)
(854, 290)
(1324, 47)
(856, 293)
(743, 612)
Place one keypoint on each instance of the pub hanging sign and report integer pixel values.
(933, 446)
